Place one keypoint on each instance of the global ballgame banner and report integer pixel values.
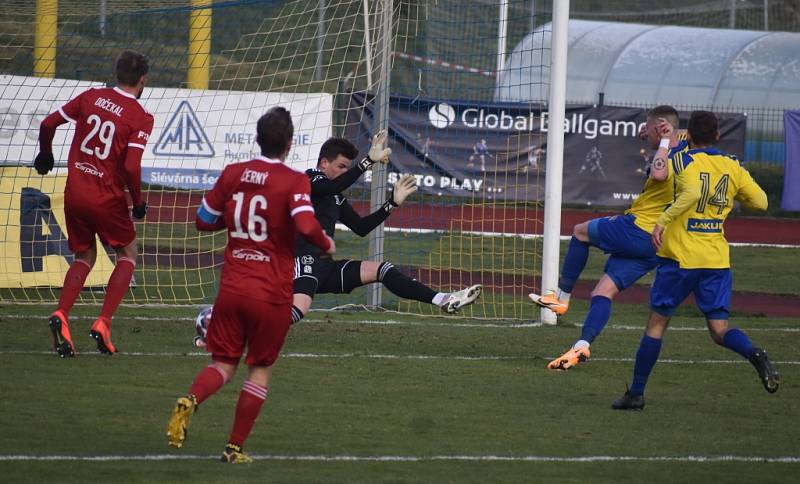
(498, 150)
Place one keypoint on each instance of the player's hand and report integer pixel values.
(43, 163)
(404, 187)
(657, 237)
(332, 249)
(664, 128)
(377, 152)
(643, 131)
(139, 211)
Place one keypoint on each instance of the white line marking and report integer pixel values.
(449, 322)
(396, 357)
(411, 458)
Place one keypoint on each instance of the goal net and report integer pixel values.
(216, 66)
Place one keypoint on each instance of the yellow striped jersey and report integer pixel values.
(656, 195)
(707, 181)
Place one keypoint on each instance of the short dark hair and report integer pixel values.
(665, 111)
(703, 128)
(274, 132)
(131, 66)
(334, 147)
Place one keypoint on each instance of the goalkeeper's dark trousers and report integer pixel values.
(403, 286)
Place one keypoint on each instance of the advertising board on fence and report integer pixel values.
(791, 169)
(498, 151)
(196, 133)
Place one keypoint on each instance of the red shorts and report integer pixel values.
(110, 220)
(238, 321)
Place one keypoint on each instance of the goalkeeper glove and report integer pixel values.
(139, 211)
(404, 187)
(44, 162)
(376, 151)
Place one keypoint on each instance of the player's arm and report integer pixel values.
(305, 222)
(659, 170)
(133, 166)
(67, 113)
(323, 186)
(404, 187)
(209, 215)
(688, 191)
(750, 194)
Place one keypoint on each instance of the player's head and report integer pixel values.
(664, 111)
(132, 69)
(335, 157)
(703, 129)
(274, 133)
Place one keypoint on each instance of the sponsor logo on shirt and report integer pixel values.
(89, 169)
(144, 135)
(711, 225)
(108, 105)
(250, 255)
(302, 196)
(307, 260)
(338, 199)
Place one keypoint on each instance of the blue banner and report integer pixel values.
(791, 168)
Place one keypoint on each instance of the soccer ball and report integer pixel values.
(201, 326)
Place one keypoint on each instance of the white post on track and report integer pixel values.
(555, 152)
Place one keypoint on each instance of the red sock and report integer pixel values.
(207, 382)
(248, 407)
(118, 285)
(73, 283)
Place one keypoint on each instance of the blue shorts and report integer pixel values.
(632, 252)
(711, 289)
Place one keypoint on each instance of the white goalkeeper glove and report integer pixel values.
(405, 186)
(376, 151)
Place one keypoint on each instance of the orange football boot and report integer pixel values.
(102, 334)
(569, 359)
(62, 340)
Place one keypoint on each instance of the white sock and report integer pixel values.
(439, 298)
(563, 296)
(582, 343)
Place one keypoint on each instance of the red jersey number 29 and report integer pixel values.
(256, 224)
(103, 130)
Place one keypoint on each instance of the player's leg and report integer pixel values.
(671, 286)
(116, 229)
(713, 295)
(81, 238)
(619, 274)
(267, 326)
(574, 263)
(225, 341)
(596, 319)
(405, 287)
(305, 285)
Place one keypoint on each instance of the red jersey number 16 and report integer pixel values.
(256, 224)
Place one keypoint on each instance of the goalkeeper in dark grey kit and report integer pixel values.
(316, 272)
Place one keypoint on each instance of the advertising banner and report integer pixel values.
(33, 232)
(196, 133)
(498, 151)
(791, 168)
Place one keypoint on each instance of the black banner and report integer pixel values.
(498, 151)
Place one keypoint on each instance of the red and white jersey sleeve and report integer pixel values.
(300, 197)
(108, 122)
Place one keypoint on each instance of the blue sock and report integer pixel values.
(574, 262)
(596, 318)
(736, 340)
(646, 358)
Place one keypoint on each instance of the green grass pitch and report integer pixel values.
(443, 395)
